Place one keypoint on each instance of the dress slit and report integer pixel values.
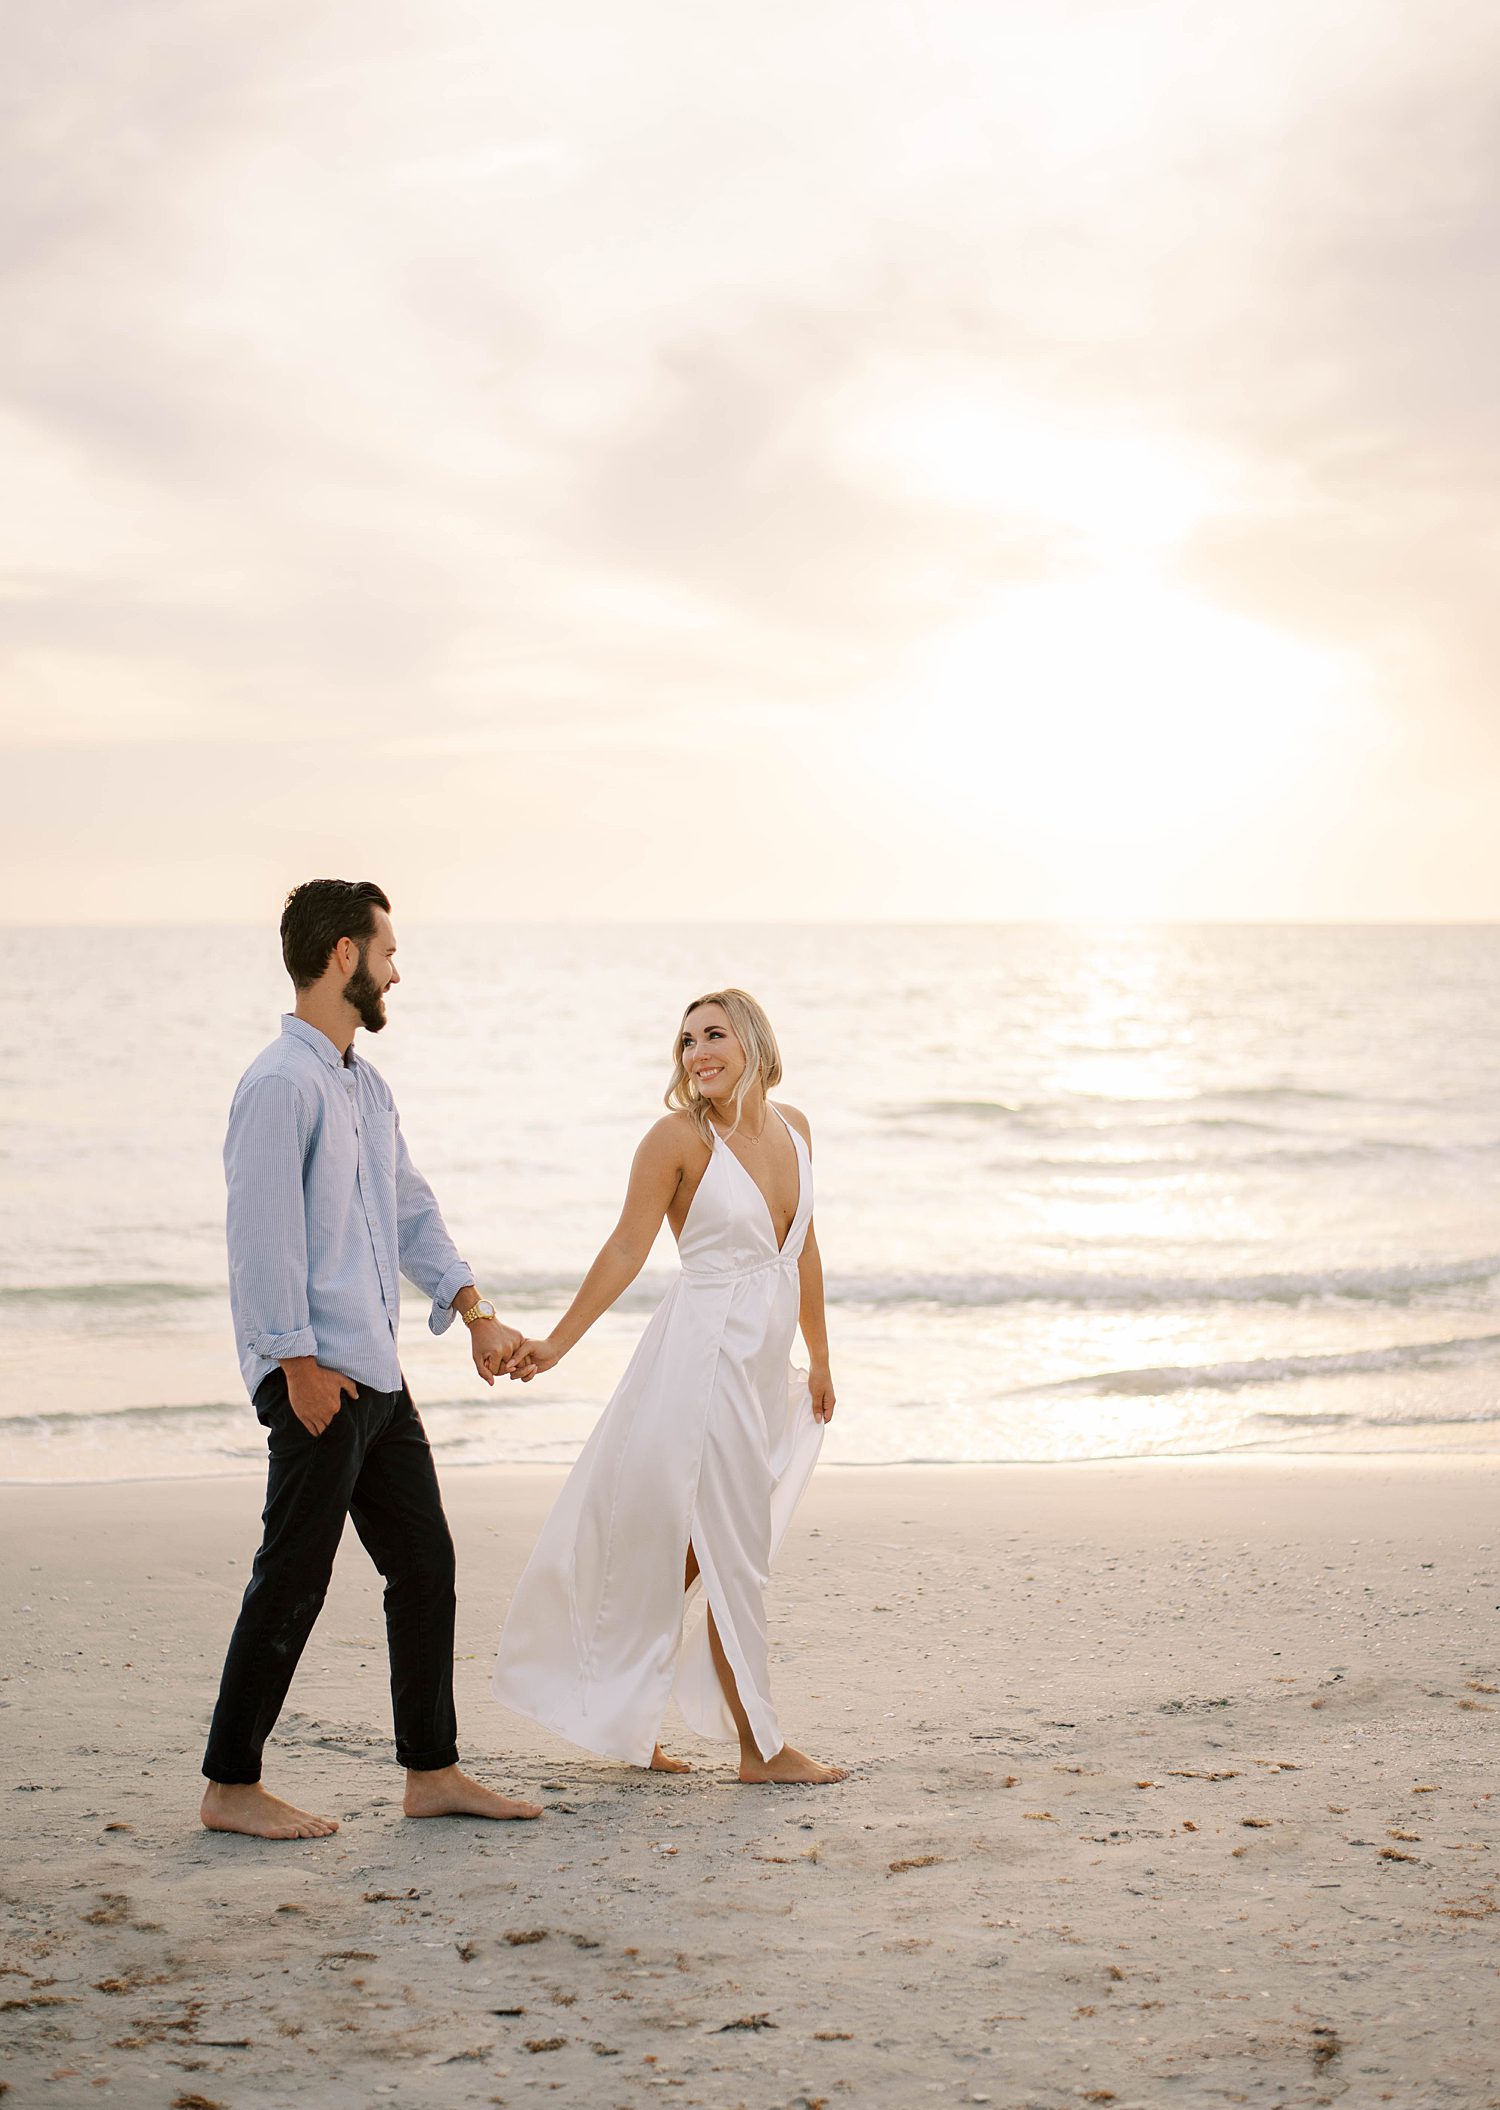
(758, 1710)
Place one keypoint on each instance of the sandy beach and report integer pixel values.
(1174, 1783)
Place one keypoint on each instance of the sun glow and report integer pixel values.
(1103, 723)
(1111, 703)
(1112, 733)
(1109, 493)
(1117, 497)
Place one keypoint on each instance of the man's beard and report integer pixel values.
(361, 992)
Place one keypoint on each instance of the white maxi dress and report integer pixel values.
(708, 1441)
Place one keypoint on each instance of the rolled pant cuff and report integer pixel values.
(229, 1775)
(428, 1761)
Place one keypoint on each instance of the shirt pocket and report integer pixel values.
(378, 1139)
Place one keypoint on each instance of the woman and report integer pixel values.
(697, 1462)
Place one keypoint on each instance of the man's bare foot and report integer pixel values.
(450, 1793)
(660, 1763)
(247, 1808)
(788, 1769)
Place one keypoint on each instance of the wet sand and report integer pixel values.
(1174, 1783)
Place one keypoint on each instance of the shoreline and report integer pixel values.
(1240, 1457)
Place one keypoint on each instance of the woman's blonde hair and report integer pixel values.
(762, 1058)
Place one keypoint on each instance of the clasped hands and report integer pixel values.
(530, 1359)
(501, 1351)
(493, 1343)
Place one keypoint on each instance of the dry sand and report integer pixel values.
(1174, 1785)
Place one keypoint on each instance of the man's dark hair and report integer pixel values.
(320, 912)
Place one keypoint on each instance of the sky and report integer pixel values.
(817, 461)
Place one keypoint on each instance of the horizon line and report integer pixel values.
(804, 923)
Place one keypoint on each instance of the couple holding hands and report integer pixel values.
(648, 1579)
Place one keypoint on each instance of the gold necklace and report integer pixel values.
(765, 1117)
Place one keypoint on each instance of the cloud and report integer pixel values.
(452, 381)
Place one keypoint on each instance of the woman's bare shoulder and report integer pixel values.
(797, 1118)
(675, 1137)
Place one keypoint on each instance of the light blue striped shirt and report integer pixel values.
(326, 1213)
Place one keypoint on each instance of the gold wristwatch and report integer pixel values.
(481, 1308)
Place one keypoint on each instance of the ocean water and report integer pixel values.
(1083, 1192)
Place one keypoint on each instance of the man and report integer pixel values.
(326, 1212)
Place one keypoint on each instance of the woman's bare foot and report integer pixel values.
(450, 1793)
(246, 1807)
(788, 1769)
(660, 1763)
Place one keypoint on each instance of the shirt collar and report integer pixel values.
(318, 1042)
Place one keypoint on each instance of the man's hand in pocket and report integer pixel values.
(316, 1394)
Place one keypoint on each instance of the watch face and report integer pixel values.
(484, 1309)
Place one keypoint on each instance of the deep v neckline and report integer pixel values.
(765, 1202)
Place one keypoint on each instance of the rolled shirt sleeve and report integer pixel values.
(267, 1229)
(428, 1255)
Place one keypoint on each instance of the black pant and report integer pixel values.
(372, 1462)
